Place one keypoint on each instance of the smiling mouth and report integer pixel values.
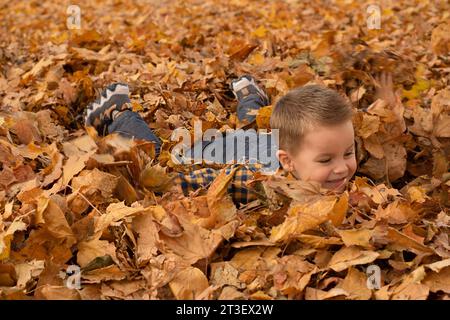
(337, 182)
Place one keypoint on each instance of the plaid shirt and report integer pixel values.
(238, 189)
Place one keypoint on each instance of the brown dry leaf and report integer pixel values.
(398, 212)
(26, 131)
(108, 273)
(351, 256)
(315, 294)
(27, 271)
(355, 284)
(413, 291)
(86, 54)
(247, 258)
(47, 126)
(242, 52)
(292, 275)
(50, 292)
(89, 250)
(305, 216)
(53, 171)
(373, 145)
(189, 284)
(438, 281)
(440, 108)
(440, 40)
(369, 125)
(56, 224)
(37, 69)
(6, 236)
(396, 160)
(148, 238)
(168, 223)
(379, 194)
(318, 242)
(78, 152)
(220, 205)
(411, 288)
(114, 213)
(125, 289)
(91, 187)
(299, 190)
(224, 273)
(437, 266)
(194, 243)
(356, 237)
(401, 241)
(155, 178)
(231, 293)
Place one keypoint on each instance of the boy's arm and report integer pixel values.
(203, 178)
(195, 180)
(385, 91)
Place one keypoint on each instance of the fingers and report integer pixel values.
(384, 79)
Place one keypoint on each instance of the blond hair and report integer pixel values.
(303, 107)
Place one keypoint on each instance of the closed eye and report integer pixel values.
(328, 160)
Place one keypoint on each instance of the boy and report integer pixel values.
(316, 137)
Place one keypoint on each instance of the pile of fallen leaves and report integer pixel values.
(69, 197)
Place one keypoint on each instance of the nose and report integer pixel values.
(341, 168)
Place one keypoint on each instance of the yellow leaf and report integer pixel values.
(155, 178)
(6, 237)
(256, 59)
(417, 194)
(260, 32)
(137, 107)
(263, 117)
(337, 215)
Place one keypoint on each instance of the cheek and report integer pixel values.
(353, 166)
(312, 171)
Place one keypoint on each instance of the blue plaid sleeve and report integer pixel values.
(238, 189)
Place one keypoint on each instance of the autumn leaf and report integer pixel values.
(305, 216)
(351, 256)
(188, 284)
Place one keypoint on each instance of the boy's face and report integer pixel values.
(326, 155)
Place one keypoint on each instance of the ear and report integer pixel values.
(285, 160)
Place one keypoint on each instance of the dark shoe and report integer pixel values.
(113, 100)
(250, 97)
(245, 86)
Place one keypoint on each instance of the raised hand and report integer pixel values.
(385, 88)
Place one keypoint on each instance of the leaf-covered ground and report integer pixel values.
(70, 197)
